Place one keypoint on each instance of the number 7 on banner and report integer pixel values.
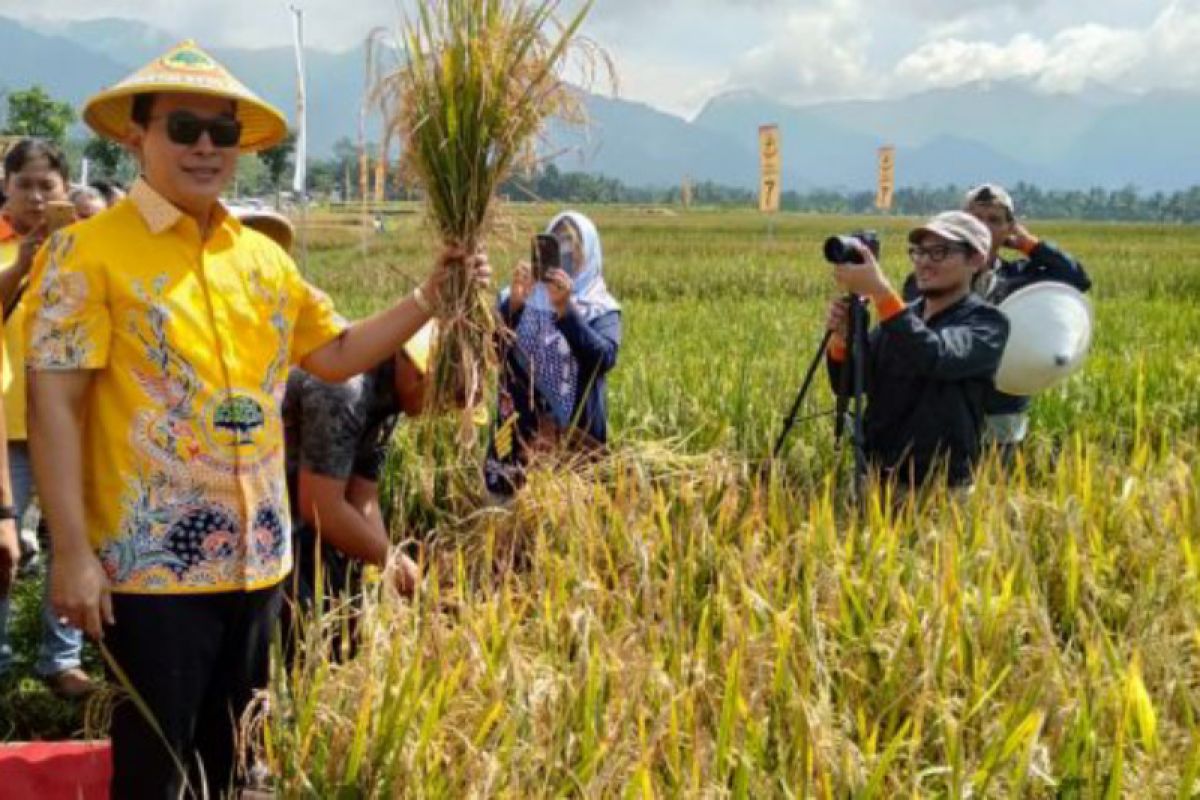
(769, 161)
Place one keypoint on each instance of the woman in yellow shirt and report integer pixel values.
(36, 174)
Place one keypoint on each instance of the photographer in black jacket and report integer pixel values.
(930, 364)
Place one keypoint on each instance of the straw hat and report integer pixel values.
(268, 222)
(419, 346)
(187, 69)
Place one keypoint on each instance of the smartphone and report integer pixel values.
(545, 256)
(59, 214)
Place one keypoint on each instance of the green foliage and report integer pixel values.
(34, 113)
(277, 159)
(108, 159)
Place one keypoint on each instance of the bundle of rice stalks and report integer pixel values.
(481, 78)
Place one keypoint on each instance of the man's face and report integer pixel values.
(998, 220)
(192, 176)
(942, 267)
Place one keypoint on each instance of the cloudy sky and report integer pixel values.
(675, 54)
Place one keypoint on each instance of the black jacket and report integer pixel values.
(926, 383)
(1045, 263)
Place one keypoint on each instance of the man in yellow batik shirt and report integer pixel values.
(159, 339)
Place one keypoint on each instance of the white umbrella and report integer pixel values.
(1050, 333)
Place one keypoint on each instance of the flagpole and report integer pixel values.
(300, 179)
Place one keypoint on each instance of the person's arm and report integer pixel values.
(354, 530)
(364, 344)
(79, 587)
(1048, 262)
(14, 274)
(345, 513)
(363, 494)
(594, 346)
(837, 322)
(955, 352)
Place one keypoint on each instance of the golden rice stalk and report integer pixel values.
(481, 79)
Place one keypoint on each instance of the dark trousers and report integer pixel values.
(196, 661)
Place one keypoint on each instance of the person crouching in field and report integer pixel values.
(159, 339)
(561, 338)
(930, 364)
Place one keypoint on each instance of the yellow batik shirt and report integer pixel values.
(190, 343)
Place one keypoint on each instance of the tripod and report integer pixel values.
(850, 391)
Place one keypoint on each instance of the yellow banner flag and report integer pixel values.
(685, 191)
(769, 160)
(887, 178)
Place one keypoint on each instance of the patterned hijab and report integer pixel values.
(542, 348)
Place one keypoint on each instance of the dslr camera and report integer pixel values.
(844, 249)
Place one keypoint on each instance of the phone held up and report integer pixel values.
(545, 256)
(59, 214)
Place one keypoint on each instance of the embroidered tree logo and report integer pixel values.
(189, 58)
(241, 416)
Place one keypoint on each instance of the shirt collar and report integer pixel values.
(160, 214)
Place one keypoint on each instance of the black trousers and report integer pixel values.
(196, 661)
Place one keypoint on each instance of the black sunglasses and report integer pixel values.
(185, 128)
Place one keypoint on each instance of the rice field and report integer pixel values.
(684, 619)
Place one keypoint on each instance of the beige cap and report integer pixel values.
(187, 69)
(990, 194)
(957, 226)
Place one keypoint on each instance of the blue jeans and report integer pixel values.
(61, 644)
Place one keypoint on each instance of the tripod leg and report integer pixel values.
(859, 322)
(818, 357)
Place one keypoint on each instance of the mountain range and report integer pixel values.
(1003, 132)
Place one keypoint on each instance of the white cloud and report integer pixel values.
(675, 53)
(813, 54)
(1161, 55)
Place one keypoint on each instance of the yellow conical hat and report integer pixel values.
(418, 347)
(188, 69)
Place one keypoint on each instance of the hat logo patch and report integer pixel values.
(189, 60)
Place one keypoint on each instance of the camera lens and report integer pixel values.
(842, 250)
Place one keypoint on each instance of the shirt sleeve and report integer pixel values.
(68, 324)
(970, 349)
(1048, 262)
(317, 322)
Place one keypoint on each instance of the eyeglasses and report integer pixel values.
(937, 254)
(185, 128)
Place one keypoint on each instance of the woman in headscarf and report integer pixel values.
(563, 334)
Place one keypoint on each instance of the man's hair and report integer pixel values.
(143, 104)
(89, 192)
(27, 150)
(107, 189)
